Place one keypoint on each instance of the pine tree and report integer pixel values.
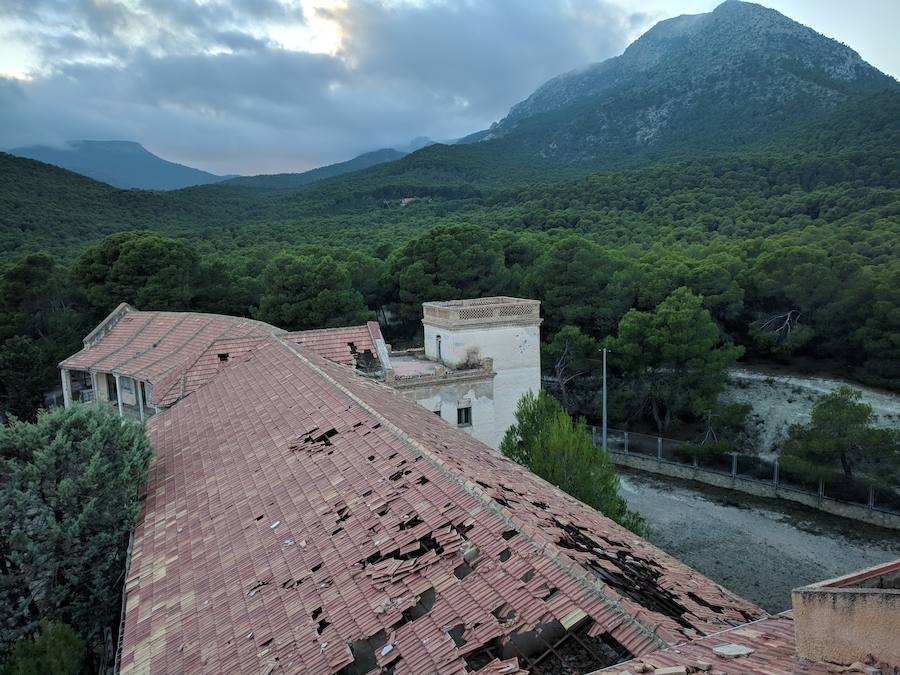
(545, 439)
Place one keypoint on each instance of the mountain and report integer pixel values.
(730, 77)
(284, 181)
(123, 164)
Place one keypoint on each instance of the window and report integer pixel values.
(437, 342)
(464, 416)
(437, 412)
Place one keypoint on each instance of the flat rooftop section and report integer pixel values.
(846, 619)
(499, 309)
(412, 363)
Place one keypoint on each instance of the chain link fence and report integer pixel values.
(750, 467)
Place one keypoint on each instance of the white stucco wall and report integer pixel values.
(515, 350)
(450, 396)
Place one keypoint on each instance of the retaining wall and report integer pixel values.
(758, 488)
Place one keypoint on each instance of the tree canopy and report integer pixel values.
(546, 440)
(302, 292)
(840, 439)
(674, 357)
(68, 500)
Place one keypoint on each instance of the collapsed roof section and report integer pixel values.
(349, 345)
(302, 518)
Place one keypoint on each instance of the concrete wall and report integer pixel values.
(516, 353)
(450, 395)
(844, 625)
(758, 488)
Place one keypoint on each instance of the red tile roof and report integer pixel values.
(158, 347)
(771, 641)
(341, 345)
(301, 518)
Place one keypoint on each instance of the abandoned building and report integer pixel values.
(480, 357)
(303, 513)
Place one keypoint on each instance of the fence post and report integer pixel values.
(626, 442)
(775, 474)
(871, 504)
(659, 450)
(734, 464)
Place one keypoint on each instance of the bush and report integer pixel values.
(56, 649)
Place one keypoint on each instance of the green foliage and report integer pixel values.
(39, 326)
(68, 500)
(55, 649)
(569, 354)
(545, 440)
(144, 269)
(21, 383)
(840, 439)
(724, 426)
(447, 262)
(674, 357)
(302, 292)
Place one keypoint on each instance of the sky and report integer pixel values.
(264, 86)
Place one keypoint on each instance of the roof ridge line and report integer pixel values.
(553, 555)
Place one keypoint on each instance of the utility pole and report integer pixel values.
(603, 441)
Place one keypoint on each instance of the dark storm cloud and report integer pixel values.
(208, 84)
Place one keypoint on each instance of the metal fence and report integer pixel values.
(750, 467)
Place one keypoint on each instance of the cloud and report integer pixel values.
(214, 85)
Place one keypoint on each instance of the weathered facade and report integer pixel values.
(141, 362)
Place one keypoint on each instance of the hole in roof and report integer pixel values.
(528, 576)
(223, 357)
(411, 523)
(343, 513)
(422, 480)
(256, 588)
(316, 568)
(267, 642)
(509, 534)
(421, 608)
(551, 593)
(323, 624)
(456, 634)
(371, 458)
(505, 555)
(504, 613)
(261, 517)
(462, 570)
(363, 652)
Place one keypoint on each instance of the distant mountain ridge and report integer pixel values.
(727, 77)
(286, 181)
(124, 164)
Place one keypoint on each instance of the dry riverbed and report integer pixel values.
(759, 549)
(780, 399)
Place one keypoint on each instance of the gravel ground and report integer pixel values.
(757, 548)
(780, 400)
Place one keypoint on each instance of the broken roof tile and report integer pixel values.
(348, 468)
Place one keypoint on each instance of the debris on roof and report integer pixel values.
(346, 345)
(302, 518)
(765, 647)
